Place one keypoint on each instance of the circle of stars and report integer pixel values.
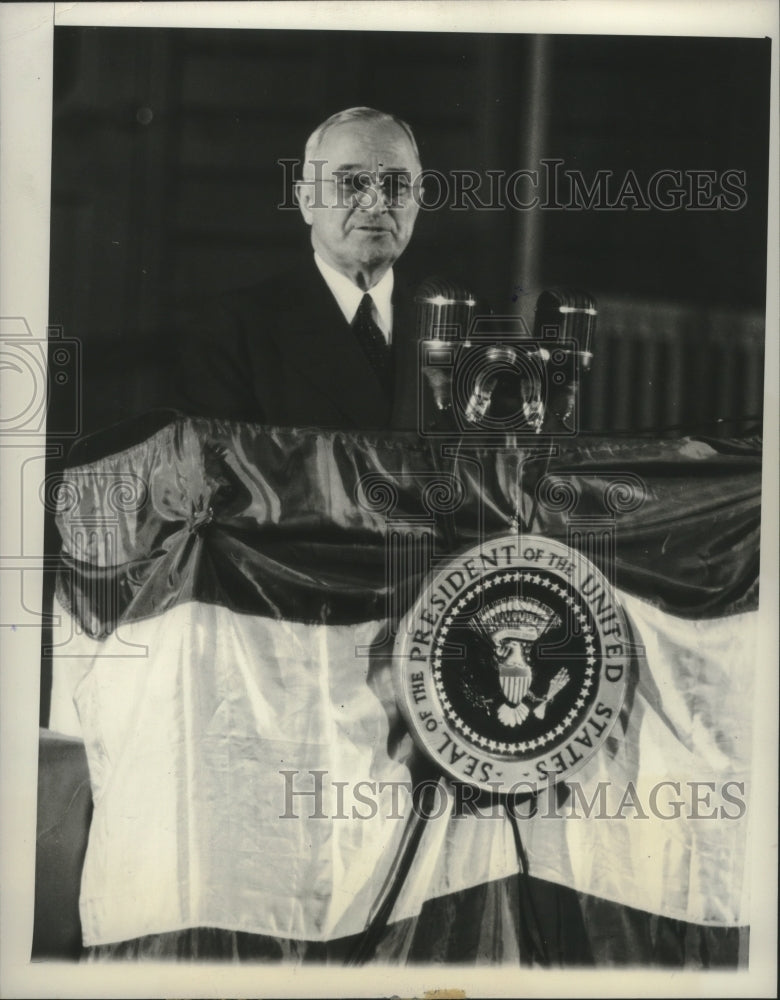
(523, 746)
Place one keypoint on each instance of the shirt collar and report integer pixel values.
(349, 296)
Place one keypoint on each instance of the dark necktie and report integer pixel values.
(373, 342)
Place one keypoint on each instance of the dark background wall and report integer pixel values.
(166, 185)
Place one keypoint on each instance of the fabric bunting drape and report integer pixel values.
(227, 601)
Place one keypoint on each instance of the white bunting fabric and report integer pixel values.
(244, 778)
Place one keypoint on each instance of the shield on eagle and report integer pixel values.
(512, 626)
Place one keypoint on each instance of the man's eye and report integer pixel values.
(396, 186)
(356, 183)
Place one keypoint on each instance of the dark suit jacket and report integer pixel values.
(282, 354)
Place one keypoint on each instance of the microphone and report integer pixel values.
(564, 327)
(506, 379)
(530, 382)
(494, 363)
(444, 314)
(566, 314)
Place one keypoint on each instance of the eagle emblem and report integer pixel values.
(512, 627)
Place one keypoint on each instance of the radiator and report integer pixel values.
(659, 367)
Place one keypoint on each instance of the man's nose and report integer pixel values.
(374, 197)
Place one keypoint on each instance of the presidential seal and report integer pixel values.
(512, 665)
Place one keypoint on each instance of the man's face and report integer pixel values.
(360, 205)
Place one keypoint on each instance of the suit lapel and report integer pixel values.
(317, 341)
(405, 348)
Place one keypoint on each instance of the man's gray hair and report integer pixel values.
(353, 115)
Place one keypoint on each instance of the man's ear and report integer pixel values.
(304, 195)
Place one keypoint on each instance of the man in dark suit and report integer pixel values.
(332, 344)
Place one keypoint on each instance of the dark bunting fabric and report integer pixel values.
(295, 523)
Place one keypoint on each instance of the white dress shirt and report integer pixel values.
(349, 296)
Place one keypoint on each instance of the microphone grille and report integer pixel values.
(445, 309)
(571, 312)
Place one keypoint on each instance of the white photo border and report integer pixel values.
(26, 46)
